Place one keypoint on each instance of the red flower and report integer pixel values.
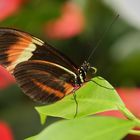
(5, 132)
(130, 97)
(5, 78)
(69, 24)
(8, 7)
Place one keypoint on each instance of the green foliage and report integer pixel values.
(91, 128)
(91, 98)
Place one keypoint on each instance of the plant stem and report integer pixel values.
(134, 132)
(129, 115)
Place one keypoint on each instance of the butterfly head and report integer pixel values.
(85, 72)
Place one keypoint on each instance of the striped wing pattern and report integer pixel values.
(41, 82)
(43, 73)
(15, 47)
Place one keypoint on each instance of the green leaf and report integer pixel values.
(91, 128)
(91, 97)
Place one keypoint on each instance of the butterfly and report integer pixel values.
(41, 71)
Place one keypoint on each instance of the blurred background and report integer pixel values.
(74, 27)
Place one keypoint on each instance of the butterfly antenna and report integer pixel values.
(102, 36)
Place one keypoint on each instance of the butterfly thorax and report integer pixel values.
(82, 72)
(85, 73)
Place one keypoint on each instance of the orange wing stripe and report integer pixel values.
(12, 49)
(48, 89)
(68, 88)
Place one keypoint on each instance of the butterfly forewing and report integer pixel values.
(17, 46)
(44, 74)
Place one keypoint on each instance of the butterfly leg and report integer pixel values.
(76, 103)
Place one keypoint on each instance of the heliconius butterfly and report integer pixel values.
(42, 72)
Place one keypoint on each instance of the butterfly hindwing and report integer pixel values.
(44, 81)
